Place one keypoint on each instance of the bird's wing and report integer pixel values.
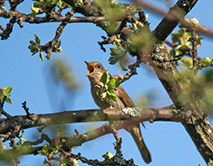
(123, 96)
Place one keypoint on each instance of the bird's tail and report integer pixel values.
(137, 136)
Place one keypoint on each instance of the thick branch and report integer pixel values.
(150, 114)
(170, 21)
(197, 126)
(11, 154)
(134, 114)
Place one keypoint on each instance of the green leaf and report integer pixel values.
(55, 151)
(199, 41)
(187, 62)
(105, 77)
(209, 75)
(8, 101)
(108, 155)
(176, 52)
(38, 4)
(117, 43)
(54, 2)
(19, 142)
(44, 150)
(37, 39)
(22, 132)
(176, 36)
(206, 61)
(6, 92)
(117, 54)
(20, 138)
(35, 11)
(112, 96)
(112, 84)
(61, 4)
(41, 56)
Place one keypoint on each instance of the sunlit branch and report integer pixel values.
(138, 114)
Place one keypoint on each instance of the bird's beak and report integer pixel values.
(90, 68)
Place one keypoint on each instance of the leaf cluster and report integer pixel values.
(105, 87)
(183, 41)
(204, 62)
(196, 88)
(5, 92)
(141, 41)
(35, 47)
(47, 6)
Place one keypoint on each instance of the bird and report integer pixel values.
(94, 73)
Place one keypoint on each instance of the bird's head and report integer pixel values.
(94, 71)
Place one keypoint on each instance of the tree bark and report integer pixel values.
(197, 126)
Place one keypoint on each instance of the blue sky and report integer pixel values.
(168, 142)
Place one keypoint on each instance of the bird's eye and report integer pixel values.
(98, 66)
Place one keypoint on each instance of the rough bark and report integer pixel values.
(134, 114)
(198, 127)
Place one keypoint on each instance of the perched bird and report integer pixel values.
(95, 72)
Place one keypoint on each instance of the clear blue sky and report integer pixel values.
(168, 142)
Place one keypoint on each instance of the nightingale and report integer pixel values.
(95, 72)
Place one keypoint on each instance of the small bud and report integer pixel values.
(103, 95)
(50, 157)
(106, 86)
(96, 86)
(100, 83)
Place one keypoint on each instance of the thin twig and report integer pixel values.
(54, 18)
(170, 43)
(122, 78)
(115, 133)
(24, 106)
(14, 4)
(108, 40)
(50, 46)
(2, 28)
(1, 108)
(38, 141)
(149, 7)
(49, 162)
(9, 28)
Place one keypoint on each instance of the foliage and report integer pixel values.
(41, 6)
(133, 46)
(113, 11)
(36, 47)
(183, 41)
(183, 46)
(105, 87)
(196, 87)
(5, 92)
(21, 138)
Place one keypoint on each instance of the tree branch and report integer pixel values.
(171, 20)
(199, 129)
(54, 18)
(125, 116)
(133, 114)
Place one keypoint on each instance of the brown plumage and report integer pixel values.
(95, 71)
